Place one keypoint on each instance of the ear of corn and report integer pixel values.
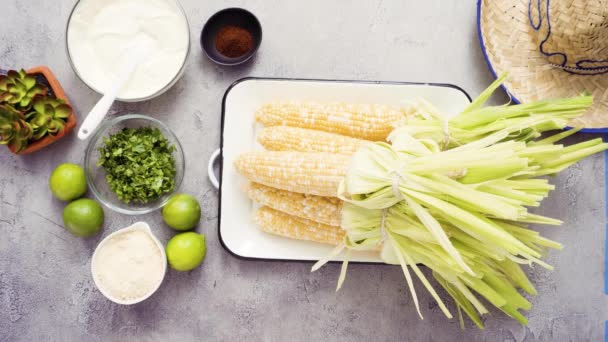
(303, 172)
(285, 138)
(363, 121)
(278, 223)
(324, 210)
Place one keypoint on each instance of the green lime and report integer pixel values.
(182, 212)
(68, 182)
(186, 251)
(83, 217)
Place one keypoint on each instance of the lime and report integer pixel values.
(186, 251)
(68, 182)
(83, 217)
(182, 212)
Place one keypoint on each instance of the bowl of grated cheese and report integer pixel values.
(129, 265)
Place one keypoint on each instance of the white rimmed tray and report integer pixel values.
(237, 232)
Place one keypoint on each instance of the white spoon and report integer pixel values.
(134, 57)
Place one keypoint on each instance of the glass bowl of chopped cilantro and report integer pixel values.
(133, 164)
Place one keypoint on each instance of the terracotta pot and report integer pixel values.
(60, 94)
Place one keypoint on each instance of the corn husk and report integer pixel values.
(461, 206)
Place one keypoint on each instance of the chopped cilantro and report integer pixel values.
(139, 164)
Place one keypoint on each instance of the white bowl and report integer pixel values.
(136, 226)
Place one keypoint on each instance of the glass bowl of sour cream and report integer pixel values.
(100, 33)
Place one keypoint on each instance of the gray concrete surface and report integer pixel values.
(46, 290)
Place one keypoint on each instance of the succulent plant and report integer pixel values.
(14, 129)
(29, 111)
(48, 116)
(18, 89)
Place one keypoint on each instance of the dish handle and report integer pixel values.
(210, 172)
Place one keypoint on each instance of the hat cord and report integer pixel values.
(573, 70)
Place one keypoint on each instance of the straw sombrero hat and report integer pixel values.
(551, 49)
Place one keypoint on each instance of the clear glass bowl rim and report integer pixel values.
(90, 150)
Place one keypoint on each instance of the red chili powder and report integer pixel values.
(233, 41)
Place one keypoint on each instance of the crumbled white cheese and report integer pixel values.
(129, 265)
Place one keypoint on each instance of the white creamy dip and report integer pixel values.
(128, 265)
(101, 32)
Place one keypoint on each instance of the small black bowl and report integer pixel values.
(226, 17)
